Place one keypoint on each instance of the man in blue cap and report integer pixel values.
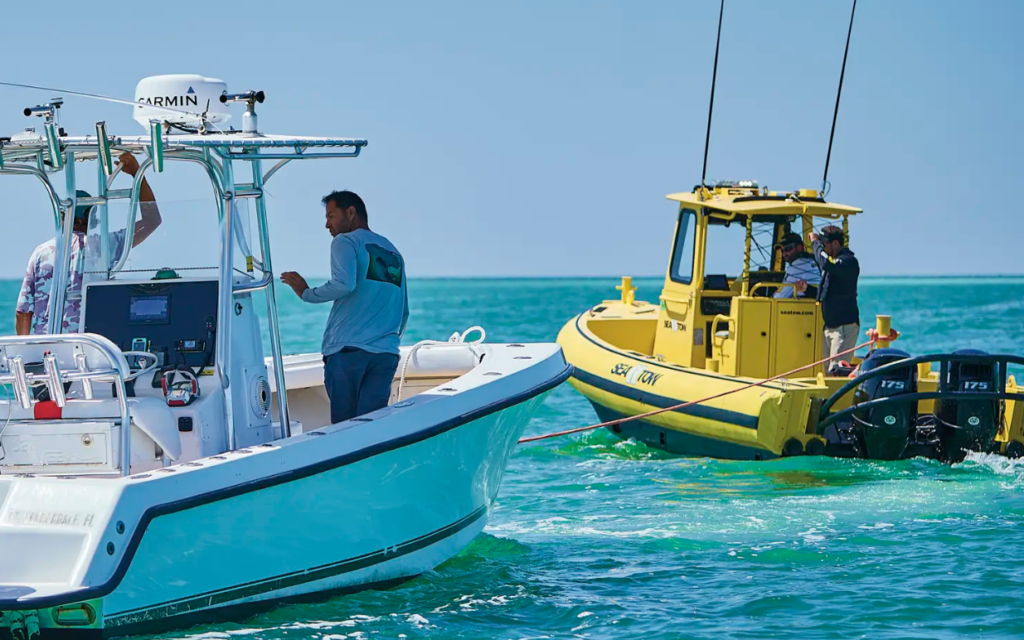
(33, 302)
(838, 292)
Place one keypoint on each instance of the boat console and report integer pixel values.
(176, 320)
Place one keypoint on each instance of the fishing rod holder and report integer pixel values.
(50, 112)
(103, 150)
(250, 98)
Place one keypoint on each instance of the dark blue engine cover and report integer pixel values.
(884, 431)
(968, 425)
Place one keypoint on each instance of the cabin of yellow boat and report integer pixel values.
(731, 322)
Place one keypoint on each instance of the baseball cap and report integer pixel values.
(790, 240)
(82, 211)
(830, 234)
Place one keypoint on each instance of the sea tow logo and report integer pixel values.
(890, 420)
(638, 374)
(797, 313)
(973, 421)
(190, 99)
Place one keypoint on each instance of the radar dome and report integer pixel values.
(180, 99)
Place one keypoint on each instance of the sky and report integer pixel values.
(539, 138)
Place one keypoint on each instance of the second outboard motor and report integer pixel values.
(968, 425)
(883, 432)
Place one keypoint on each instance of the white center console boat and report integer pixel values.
(153, 475)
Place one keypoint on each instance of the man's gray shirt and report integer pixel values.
(368, 289)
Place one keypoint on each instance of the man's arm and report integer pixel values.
(23, 322)
(26, 298)
(147, 202)
(405, 309)
(818, 252)
(150, 219)
(826, 263)
(344, 264)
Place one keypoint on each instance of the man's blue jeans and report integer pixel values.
(358, 381)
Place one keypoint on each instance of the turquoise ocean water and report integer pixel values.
(596, 538)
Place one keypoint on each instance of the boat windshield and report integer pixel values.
(726, 245)
(186, 239)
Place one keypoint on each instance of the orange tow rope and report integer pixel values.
(871, 333)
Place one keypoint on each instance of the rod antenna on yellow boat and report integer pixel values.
(711, 106)
(839, 93)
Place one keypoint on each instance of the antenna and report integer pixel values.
(95, 96)
(839, 93)
(711, 107)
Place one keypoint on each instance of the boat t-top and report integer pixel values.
(157, 469)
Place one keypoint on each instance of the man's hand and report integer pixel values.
(128, 163)
(814, 237)
(801, 287)
(295, 281)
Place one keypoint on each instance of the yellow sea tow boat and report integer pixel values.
(714, 333)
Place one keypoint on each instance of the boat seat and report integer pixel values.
(155, 419)
(716, 282)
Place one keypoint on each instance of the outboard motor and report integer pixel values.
(968, 425)
(883, 432)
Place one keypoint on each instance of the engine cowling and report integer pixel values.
(883, 432)
(968, 425)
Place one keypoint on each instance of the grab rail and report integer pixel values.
(916, 397)
(942, 358)
(54, 378)
(729, 321)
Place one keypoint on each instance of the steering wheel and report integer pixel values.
(141, 354)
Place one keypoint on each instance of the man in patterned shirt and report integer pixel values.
(32, 311)
(801, 269)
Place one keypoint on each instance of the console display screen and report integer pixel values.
(149, 309)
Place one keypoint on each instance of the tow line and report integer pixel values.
(872, 334)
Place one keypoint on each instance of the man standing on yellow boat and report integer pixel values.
(838, 291)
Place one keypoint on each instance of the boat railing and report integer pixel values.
(781, 285)
(13, 372)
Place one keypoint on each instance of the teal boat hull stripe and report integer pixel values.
(679, 442)
(661, 402)
(297, 578)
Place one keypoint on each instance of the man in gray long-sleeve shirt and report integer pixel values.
(371, 309)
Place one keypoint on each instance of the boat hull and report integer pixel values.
(677, 441)
(751, 423)
(364, 504)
